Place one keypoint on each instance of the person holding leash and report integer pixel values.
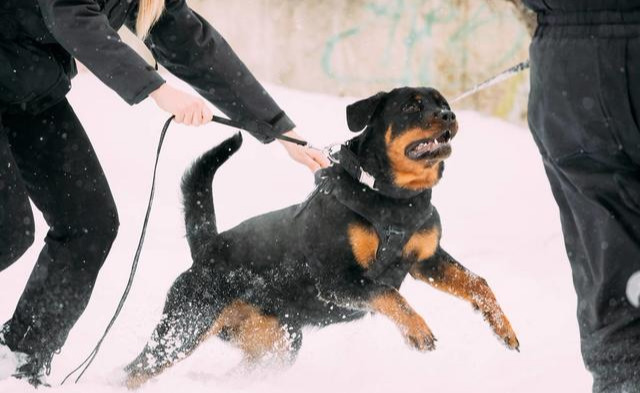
(584, 114)
(45, 155)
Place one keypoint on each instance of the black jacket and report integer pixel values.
(582, 5)
(583, 114)
(39, 40)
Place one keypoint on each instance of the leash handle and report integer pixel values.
(253, 126)
(227, 122)
(293, 140)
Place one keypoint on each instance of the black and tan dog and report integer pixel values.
(342, 253)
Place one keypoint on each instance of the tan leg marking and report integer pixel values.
(423, 244)
(134, 381)
(458, 281)
(410, 174)
(364, 243)
(255, 333)
(415, 330)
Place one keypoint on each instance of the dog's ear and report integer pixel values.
(359, 113)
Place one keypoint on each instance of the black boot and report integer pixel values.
(35, 369)
(31, 367)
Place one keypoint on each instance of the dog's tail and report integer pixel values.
(197, 195)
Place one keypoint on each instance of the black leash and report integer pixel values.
(87, 362)
(260, 127)
(251, 126)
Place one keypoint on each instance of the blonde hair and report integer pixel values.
(149, 11)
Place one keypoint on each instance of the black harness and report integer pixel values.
(394, 218)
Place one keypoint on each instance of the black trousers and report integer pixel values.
(584, 110)
(48, 159)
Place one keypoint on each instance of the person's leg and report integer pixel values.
(65, 181)
(583, 127)
(16, 218)
(604, 251)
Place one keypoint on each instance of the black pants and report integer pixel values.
(584, 111)
(48, 158)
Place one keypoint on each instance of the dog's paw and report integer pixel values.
(418, 335)
(511, 341)
(135, 377)
(502, 328)
(134, 381)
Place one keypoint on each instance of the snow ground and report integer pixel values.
(499, 220)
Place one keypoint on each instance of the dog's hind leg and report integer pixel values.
(260, 336)
(443, 272)
(188, 316)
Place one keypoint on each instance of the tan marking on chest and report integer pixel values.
(422, 244)
(364, 243)
(407, 173)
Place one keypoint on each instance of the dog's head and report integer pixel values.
(406, 135)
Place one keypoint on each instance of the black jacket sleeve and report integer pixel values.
(81, 28)
(190, 48)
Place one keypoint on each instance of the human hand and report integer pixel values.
(187, 108)
(311, 158)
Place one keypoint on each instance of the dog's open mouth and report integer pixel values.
(430, 148)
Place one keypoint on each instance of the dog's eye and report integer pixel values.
(411, 107)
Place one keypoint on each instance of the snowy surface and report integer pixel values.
(499, 220)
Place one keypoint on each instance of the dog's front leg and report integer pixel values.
(371, 296)
(395, 307)
(444, 273)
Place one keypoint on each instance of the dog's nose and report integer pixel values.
(446, 116)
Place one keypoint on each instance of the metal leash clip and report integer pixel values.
(332, 152)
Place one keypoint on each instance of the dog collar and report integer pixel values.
(341, 155)
(405, 214)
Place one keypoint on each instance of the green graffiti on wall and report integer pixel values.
(414, 25)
